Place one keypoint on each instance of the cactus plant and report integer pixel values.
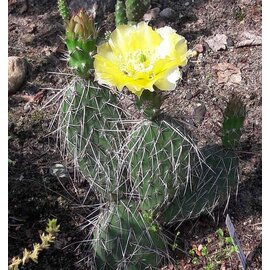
(120, 13)
(233, 122)
(63, 9)
(123, 239)
(212, 183)
(160, 155)
(81, 43)
(214, 177)
(91, 123)
(135, 9)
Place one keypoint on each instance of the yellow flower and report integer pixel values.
(139, 57)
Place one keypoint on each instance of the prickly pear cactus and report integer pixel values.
(135, 9)
(120, 13)
(124, 240)
(214, 176)
(90, 121)
(213, 179)
(81, 43)
(160, 156)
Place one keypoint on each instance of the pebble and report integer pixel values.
(187, 4)
(189, 96)
(199, 113)
(27, 107)
(59, 170)
(27, 39)
(230, 42)
(152, 14)
(198, 48)
(17, 70)
(167, 13)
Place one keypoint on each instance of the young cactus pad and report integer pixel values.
(212, 182)
(63, 9)
(124, 240)
(234, 117)
(120, 13)
(91, 123)
(135, 9)
(160, 156)
(81, 43)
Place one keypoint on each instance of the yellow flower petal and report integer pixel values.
(139, 58)
(169, 81)
(173, 45)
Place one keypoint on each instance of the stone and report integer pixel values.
(152, 14)
(167, 13)
(218, 42)
(59, 170)
(189, 96)
(199, 113)
(17, 70)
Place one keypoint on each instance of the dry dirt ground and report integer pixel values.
(35, 31)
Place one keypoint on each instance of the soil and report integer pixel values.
(35, 194)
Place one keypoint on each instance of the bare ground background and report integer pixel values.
(35, 31)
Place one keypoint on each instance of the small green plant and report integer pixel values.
(46, 240)
(212, 261)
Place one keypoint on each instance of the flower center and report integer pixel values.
(136, 62)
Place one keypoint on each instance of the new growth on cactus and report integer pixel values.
(135, 10)
(81, 43)
(120, 13)
(130, 11)
(63, 9)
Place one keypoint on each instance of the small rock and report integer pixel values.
(167, 13)
(152, 14)
(27, 39)
(189, 96)
(17, 70)
(59, 170)
(187, 4)
(198, 48)
(218, 42)
(27, 107)
(230, 42)
(199, 113)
